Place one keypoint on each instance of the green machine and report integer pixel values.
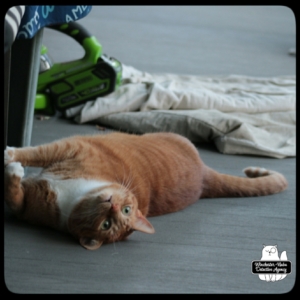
(68, 84)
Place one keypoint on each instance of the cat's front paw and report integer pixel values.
(14, 168)
(8, 155)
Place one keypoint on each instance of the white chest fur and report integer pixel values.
(70, 191)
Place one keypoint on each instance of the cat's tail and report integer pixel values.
(261, 182)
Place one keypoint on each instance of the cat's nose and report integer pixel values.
(114, 207)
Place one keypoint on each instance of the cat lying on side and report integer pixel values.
(101, 188)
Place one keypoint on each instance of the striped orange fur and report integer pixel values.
(101, 188)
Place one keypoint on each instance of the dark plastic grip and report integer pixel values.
(72, 29)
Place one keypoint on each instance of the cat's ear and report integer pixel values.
(142, 224)
(90, 244)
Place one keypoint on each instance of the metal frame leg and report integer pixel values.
(6, 92)
(24, 69)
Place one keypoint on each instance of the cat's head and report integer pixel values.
(107, 215)
(269, 252)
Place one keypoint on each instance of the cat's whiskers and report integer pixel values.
(117, 176)
(115, 249)
(127, 178)
(124, 175)
(114, 239)
(129, 182)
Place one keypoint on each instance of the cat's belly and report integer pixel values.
(172, 201)
(166, 172)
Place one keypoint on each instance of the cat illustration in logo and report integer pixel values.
(271, 253)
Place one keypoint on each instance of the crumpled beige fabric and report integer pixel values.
(240, 114)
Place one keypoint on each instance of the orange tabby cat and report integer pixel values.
(101, 188)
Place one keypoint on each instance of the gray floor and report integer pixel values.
(209, 247)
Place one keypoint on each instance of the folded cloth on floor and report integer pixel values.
(240, 114)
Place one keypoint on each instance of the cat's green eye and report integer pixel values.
(105, 225)
(126, 210)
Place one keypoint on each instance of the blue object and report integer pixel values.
(36, 17)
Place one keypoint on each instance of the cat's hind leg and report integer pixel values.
(14, 192)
